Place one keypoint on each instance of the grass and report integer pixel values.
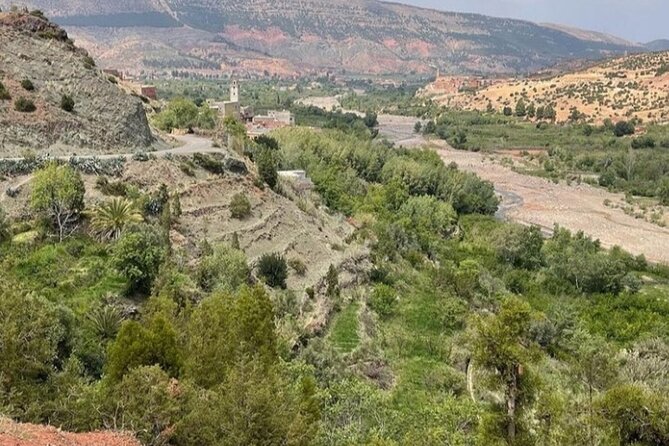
(344, 334)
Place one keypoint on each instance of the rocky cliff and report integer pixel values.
(40, 70)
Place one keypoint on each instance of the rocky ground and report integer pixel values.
(21, 434)
(104, 118)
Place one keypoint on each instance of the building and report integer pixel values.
(275, 118)
(149, 91)
(231, 107)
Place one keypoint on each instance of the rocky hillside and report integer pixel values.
(618, 89)
(298, 36)
(53, 98)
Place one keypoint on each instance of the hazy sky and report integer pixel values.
(637, 20)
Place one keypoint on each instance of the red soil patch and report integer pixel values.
(19, 434)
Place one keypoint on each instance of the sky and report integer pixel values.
(636, 20)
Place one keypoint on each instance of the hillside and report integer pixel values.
(39, 65)
(295, 36)
(633, 86)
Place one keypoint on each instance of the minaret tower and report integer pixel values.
(234, 91)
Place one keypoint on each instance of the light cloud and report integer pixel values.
(640, 20)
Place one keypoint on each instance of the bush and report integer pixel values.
(298, 266)
(383, 300)
(643, 142)
(24, 105)
(4, 94)
(225, 268)
(89, 63)
(138, 255)
(240, 207)
(274, 270)
(67, 103)
(623, 128)
(207, 162)
(27, 85)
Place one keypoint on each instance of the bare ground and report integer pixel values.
(536, 201)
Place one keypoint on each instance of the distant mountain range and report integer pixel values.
(658, 45)
(289, 37)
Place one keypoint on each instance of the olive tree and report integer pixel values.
(58, 194)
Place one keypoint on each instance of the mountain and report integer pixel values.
(617, 89)
(40, 68)
(658, 45)
(312, 36)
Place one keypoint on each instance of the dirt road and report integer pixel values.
(536, 201)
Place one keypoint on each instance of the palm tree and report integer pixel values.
(109, 219)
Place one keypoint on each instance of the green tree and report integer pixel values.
(110, 218)
(531, 110)
(29, 342)
(521, 246)
(137, 344)
(180, 113)
(225, 269)
(228, 330)
(504, 347)
(417, 127)
(138, 255)
(267, 167)
(549, 113)
(58, 194)
(521, 109)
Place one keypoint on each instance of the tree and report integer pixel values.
(225, 268)
(417, 127)
(110, 218)
(531, 110)
(267, 142)
(58, 193)
(429, 128)
(228, 330)
(521, 109)
(29, 339)
(180, 113)
(521, 246)
(138, 255)
(273, 269)
(332, 282)
(67, 103)
(137, 344)
(549, 113)
(503, 346)
(27, 85)
(267, 168)
(5, 230)
(507, 111)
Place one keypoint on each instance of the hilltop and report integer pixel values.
(55, 100)
(290, 37)
(617, 89)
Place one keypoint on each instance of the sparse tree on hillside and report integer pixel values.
(58, 193)
(521, 109)
(417, 127)
(507, 111)
(267, 167)
(504, 347)
(531, 110)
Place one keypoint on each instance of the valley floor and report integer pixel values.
(537, 201)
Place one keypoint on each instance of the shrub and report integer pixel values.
(24, 105)
(138, 255)
(224, 268)
(383, 300)
(207, 162)
(27, 85)
(240, 207)
(643, 142)
(89, 63)
(298, 266)
(4, 94)
(273, 269)
(623, 128)
(113, 188)
(67, 103)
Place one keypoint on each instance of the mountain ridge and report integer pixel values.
(302, 37)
